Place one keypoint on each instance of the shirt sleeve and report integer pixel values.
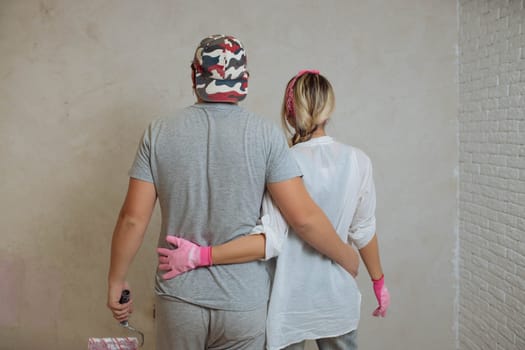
(141, 168)
(274, 227)
(281, 164)
(363, 226)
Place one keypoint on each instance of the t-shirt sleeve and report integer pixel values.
(281, 163)
(274, 227)
(363, 225)
(141, 168)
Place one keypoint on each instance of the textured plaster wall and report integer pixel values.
(80, 80)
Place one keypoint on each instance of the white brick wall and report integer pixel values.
(492, 174)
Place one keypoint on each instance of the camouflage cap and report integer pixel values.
(220, 70)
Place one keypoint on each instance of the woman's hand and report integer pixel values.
(186, 256)
(382, 296)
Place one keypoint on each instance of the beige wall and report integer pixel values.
(80, 80)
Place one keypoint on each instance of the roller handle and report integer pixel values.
(124, 298)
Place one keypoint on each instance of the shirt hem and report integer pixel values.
(223, 307)
(314, 337)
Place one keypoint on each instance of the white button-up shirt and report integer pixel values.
(313, 297)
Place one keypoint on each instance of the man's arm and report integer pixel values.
(128, 235)
(311, 224)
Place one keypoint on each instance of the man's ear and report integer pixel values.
(193, 76)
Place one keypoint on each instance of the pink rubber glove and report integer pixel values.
(382, 296)
(185, 257)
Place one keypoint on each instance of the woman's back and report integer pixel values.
(313, 297)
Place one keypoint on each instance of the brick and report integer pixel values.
(515, 327)
(498, 137)
(512, 152)
(516, 163)
(514, 6)
(515, 280)
(491, 192)
(497, 160)
(496, 318)
(465, 158)
(517, 302)
(491, 259)
(515, 233)
(471, 168)
(514, 102)
(499, 183)
(508, 125)
(517, 88)
(516, 257)
(497, 92)
(502, 339)
(480, 158)
(508, 78)
(515, 210)
(516, 113)
(465, 275)
(521, 129)
(520, 341)
(520, 272)
(508, 173)
(508, 220)
(516, 186)
(497, 227)
(515, 138)
(480, 262)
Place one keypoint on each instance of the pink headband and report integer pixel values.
(290, 106)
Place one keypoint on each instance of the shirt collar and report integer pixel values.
(322, 140)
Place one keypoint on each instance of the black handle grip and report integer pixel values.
(124, 297)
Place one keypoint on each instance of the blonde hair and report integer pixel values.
(312, 101)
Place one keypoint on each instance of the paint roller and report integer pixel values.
(126, 343)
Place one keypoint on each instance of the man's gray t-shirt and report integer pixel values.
(210, 164)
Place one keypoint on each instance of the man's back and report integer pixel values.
(210, 165)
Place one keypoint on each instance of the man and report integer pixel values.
(209, 166)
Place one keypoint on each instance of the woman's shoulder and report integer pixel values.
(361, 156)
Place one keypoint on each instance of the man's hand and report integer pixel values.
(121, 312)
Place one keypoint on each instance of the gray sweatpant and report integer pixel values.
(184, 326)
(346, 341)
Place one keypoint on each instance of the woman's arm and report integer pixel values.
(264, 242)
(362, 233)
(240, 250)
(186, 255)
(128, 234)
(302, 213)
(370, 255)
